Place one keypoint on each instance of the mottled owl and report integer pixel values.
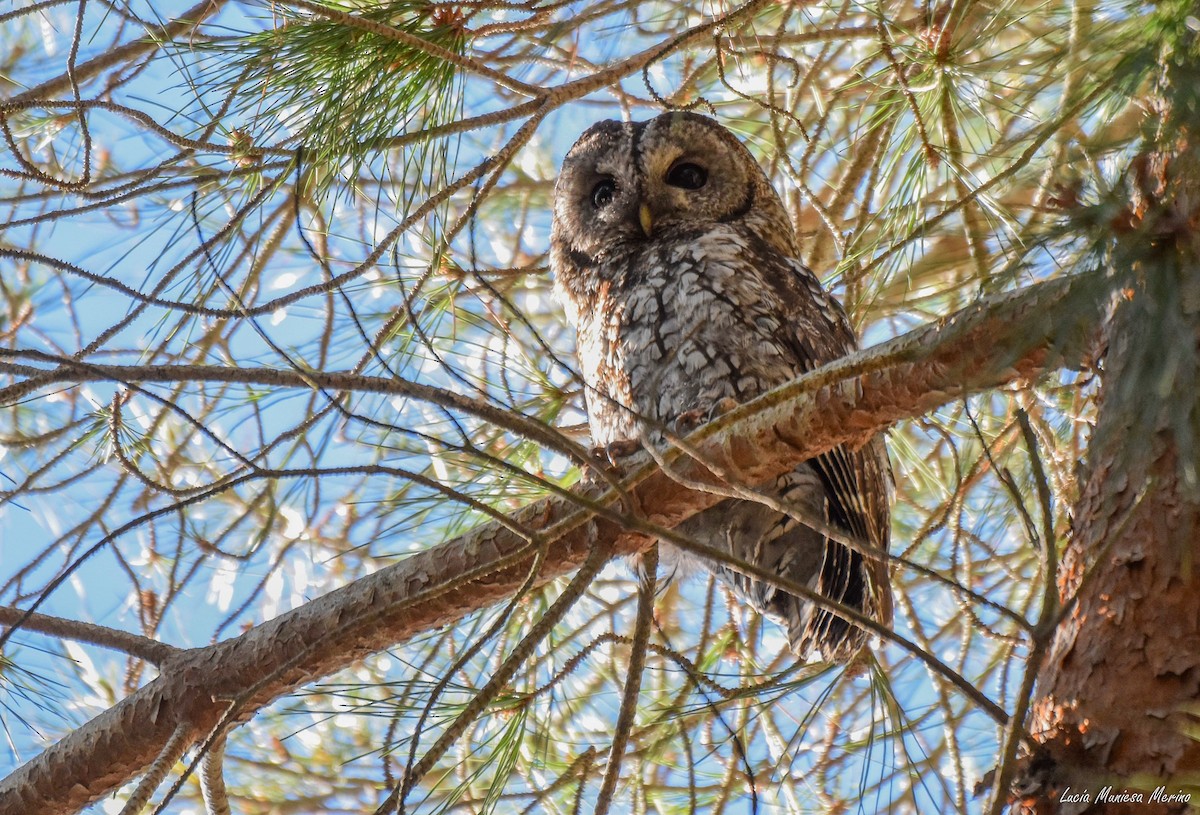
(677, 264)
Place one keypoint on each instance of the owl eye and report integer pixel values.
(687, 176)
(602, 193)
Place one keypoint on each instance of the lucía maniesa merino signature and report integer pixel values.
(1108, 795)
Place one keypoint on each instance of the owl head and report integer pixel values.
(675, 177)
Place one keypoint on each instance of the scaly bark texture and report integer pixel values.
(1122, 680)
(1120, 690)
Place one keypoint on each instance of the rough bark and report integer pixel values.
(1122, 680)
(998, 341)
(1119, 693)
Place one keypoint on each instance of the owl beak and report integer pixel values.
(646, 220)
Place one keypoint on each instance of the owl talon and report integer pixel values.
(689, 420)
(613, 451)
(722, 406)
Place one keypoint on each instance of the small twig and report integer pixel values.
(596, 559)
(171, 752)
(633, 679)
(137, 646)
(212, 779)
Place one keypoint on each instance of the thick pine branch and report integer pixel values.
(998, 341)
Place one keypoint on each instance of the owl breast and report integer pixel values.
(688, 322)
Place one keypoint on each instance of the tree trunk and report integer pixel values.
(1122, 680)
(1119, 693)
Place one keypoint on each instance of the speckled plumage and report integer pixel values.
(685, 294)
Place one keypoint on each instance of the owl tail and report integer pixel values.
(844, 579)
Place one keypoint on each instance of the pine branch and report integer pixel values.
(1017, 336)
(132, 644)
(125, 54)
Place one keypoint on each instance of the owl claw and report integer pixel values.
(689, 420)
(613, 451)
(722, 405)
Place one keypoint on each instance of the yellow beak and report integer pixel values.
(645, 219)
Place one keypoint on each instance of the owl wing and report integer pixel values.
(857, 481)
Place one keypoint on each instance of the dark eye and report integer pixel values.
(687, 176)
(602, 193)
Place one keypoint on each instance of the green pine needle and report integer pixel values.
(345, 91)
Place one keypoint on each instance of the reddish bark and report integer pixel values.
(1122, 680)
(1119, 694)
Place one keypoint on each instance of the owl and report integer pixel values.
(676, 263)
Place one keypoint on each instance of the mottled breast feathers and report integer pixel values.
(676, 263)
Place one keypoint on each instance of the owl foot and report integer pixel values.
(689, 420)
(612, 452)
